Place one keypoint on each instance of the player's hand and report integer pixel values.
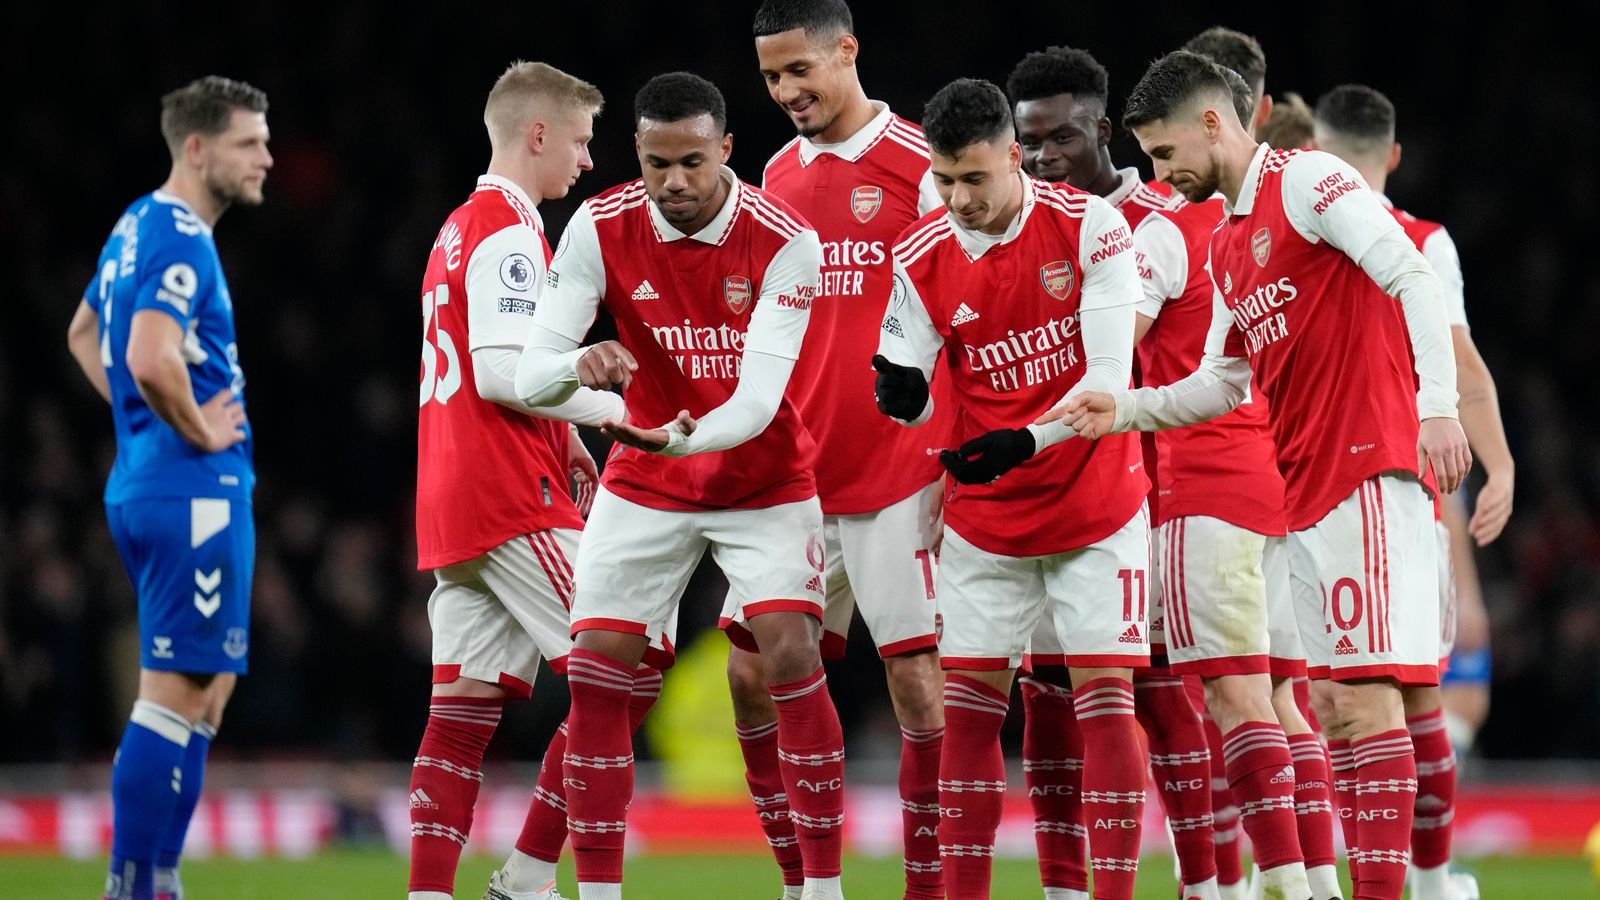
(581, 469)
(1442, 444)
(1494, 508)
(224, 418)
(901, 391)
(1090, 414)
(606, 365)
(650, 440)
(988, 456)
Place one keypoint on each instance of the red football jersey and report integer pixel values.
(1329, 349)
(859, 195)
(684, 306)
(1440, 250)
(1003, 314)
(1226, 468)
(485, 473)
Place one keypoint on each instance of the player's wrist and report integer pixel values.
(1125, 408)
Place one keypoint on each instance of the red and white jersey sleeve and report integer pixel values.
(859, 195)
(1225, 468)
(1002, 322)
(689, 307)
(1439, 249)
(485, 473)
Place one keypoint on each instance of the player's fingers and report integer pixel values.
(1056, 414)
(1422, 460)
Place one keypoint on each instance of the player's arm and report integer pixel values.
(83, 339)
(908, 349)
(1162, 259)
(1355, 222)
(155, 361)
(772, 344)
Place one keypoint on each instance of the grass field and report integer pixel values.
(382, 876)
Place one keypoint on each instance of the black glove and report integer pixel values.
(988, 456)
(902, 392)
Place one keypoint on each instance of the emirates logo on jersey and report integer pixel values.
(1057, 279)
(736, 293)
(1261, 246)
(865, 201)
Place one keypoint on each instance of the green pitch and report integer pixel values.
(381, 876)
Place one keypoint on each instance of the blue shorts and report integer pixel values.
(191, 561)
(1468, 667)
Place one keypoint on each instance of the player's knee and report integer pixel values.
(1239, 699)
(1421, 701)
(916, 684)
(747, 683)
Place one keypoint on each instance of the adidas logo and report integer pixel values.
(815, 584)
(420, 800)
(964, 314)
(1344, 647)
(1131, 636)
(1284, 777)
(645, 292)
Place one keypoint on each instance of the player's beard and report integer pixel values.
(1202, 187)
(229, 191)
(816, 126)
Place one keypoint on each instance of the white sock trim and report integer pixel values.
(599, 890)
(161, 720)
(524, 874)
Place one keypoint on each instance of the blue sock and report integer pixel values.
(194, 774)
(146, 780)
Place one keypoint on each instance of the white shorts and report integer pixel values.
(1286, 653)
(495, 615)
(635, 561)
(1447, 595)
(1215, 592)
(881, 562)
(1366, 587)
(1096, 596)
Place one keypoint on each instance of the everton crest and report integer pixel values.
(1057, 278)
(1261, 246)
(736, 293)
(865, 201)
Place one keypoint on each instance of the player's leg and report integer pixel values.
(1099, 599)
(990, 605)
(191, 562)
(889, 572)
(633, 565)
(1224, 809)
(1466, 681)
(755, 720)
(168, 884)
(1052, 767)
(1374, 561)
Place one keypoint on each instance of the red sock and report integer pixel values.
(1224, 811)
(1113, 783)
(1342, 766)
(444, 786)
(1261, 773)
(1386, 793)
(598, 765)
(919, 812)
(1181, 765)
(759, 744)
(972, 784)
(1052, 767)
(544, 831)
(1436, 791)
(811, 760)
(1313, 812)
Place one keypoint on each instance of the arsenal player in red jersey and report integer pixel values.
(859, 175)
(1320, 292)
(1357, 124)
(711, 283)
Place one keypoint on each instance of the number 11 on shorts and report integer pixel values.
(1132, 590)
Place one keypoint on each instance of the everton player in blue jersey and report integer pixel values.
(155, 336)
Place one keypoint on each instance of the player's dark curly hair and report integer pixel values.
(1058, 70)
(676, 96)
(1172, 81)
(820, 18)
(1234, 50)
(205, 106)
(1357, 111)
(964, 112)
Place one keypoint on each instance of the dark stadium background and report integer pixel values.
(376, 131)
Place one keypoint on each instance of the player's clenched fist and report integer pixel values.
(1091, 414)
(606, 365)
(901, 391)
(1442, 444)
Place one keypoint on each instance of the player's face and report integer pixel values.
(680, 162)
(808, 78)
(1061, 138)
(235, 162)
(1182, 152)
(979, 184)
(566, 151)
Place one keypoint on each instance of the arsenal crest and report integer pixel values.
(1261, 246)
(736, 293)
(1056, 278)
(865, 201)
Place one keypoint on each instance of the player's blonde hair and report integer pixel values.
(528, 88)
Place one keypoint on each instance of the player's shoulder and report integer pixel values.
(771, 212)
(1065, 201)
(922, 236)
(613, 202)
(1154, 196)
(491, 208)
(786, 160)
(166, 223)
(905, 138)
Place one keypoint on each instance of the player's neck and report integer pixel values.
(857, 112)
(195, 195)
(1107, 180)
(521, 175)
(1008, 213)
(723, 193)
(1237, 154)
(1376, 177)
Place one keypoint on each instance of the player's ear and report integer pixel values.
(1102, 130)
(1014, 157)
(535, 136)
(1394, 157)
(849, 49)
(194, 150)
(727, 146)
(1263, 112)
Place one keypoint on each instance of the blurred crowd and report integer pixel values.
(376, 143)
